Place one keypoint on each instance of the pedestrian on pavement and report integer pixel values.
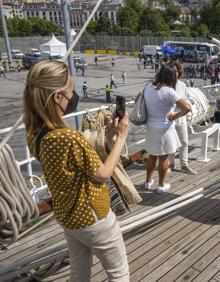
(112, 81)
(124, 76)
(139, 65)
(83, 71)
(96, 60)
(108, 94)
(112, 61)
(2, 71)
(85, 89)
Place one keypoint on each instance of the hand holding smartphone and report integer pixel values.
(120, 107)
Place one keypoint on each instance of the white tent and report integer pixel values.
(54, 47)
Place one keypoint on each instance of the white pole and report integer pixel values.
(82, 30)
(135, 223)
(156, 209)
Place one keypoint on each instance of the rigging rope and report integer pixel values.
(17, 207)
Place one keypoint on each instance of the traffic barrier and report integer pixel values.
(113, 52)
(89, 51)
(101, 52)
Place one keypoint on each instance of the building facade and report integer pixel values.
(79, 12)
(47, 11)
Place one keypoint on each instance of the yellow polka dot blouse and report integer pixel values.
(70, 164)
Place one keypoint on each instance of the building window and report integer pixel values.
(32, 14)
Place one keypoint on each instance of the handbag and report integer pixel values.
(138, 115)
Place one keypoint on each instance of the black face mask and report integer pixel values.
(72, 103)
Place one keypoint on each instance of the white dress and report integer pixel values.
(162, 138)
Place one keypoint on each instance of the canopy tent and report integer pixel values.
(167, 49)
(54, 47)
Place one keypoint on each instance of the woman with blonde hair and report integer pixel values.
(74, 173)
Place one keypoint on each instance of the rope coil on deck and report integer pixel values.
(17, 207)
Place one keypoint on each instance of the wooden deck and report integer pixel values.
(181, 246)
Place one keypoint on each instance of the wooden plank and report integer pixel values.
(170, 258)
(209, 272)
(217, 277)
(182, 267)
(211, 255)
(188, 275)
(37, 243)
(152, 246)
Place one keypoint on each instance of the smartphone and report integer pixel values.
(120, 106)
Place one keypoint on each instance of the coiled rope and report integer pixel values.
(17, 207)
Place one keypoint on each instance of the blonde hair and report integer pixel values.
(43, 80)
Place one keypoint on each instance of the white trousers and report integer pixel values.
(182, 132)
(103, 239)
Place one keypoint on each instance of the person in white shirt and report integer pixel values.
(124, 76)
(162, 139)
(112, 81)
(181, 127)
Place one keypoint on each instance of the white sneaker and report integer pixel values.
(164, 188)
(148, 185)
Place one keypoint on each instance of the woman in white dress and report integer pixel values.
(162, 139)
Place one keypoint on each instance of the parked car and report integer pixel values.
(46, 55)
(80, 63)
(35, 51)
(17, 54)
(30, 59)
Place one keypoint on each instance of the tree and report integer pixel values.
(166, 3)
(185, 31)
(127, 17)
(29, 27)
(103, 24)
(171, 14)
(153, 20)
(203, 30)
(210, 15)
(92, 27)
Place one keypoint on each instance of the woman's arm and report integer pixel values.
(184, 109)
(106, 169)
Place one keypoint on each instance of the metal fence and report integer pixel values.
(119, 43)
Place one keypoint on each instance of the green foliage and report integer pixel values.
(128, 17)
(203, 30)
(153, 20)
(171, 14)
(103, 24)
(118, 30)
(29, 27)
(92, 27)
(185, 31)
(146, 32)
(210, 15)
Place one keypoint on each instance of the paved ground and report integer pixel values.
(96, 77)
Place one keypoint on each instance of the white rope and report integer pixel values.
(17, 208)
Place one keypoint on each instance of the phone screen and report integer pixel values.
(120, 106)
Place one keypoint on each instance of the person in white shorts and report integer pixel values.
(162, 139)
(181, 128)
